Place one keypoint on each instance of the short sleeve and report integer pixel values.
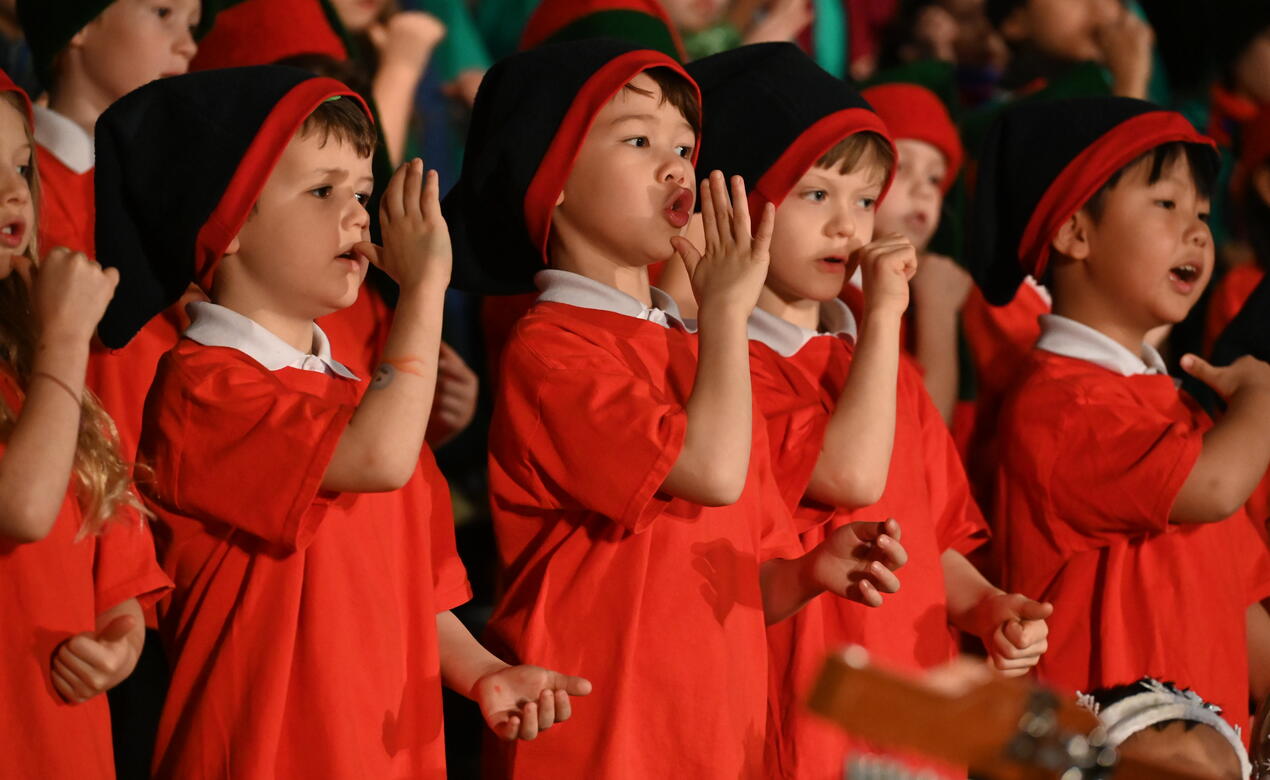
(600, 439)
(795, 417)
(237, 447)
(450, 585)
(124, 566)
(1118, 469)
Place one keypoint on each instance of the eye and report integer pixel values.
(684, 151)
(1166, 204)
(866, 203)
(322, 192)
(24, 170)
(816, 195)
(937, 180)
(162, 11)
(362, 197)
(638, 141)
(1203, 217)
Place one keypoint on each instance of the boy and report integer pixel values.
(1117, 497)
(637, 520)
(310, 627)
(850, 424)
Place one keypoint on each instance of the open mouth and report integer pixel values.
(1187, 273)
(350, 255)
(11, 233)
(833, 264)
(680, 209)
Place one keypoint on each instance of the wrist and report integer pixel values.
(483, 670)
(714, 315)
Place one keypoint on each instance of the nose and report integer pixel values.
(14, 190)
(675, 169)
(185, 46)
(1199, 234)
(356, 217)
(842, 224)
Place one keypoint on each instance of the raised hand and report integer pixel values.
(518, 702)
(887, 264)
(858, 561)
(69, 293)
(96, 661)
(416, 250)
(1246, 373)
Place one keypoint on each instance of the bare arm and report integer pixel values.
(69, 292)
(380, 447)
(1012, 627)
(1236, 449)
(712, 466)
(405, 46)
(940, 288)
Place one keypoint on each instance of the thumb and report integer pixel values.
(1201, 369)
(688, 253)
(1034, 610)
(369, 251)
(117, 629)
(574, 686)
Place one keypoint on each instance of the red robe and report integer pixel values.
(302, 634)
(926, 491)
(1228, 297)
(1091, 465)
(54, 589)
(654, 599)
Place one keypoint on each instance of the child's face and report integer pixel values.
(359, 15)
(134, 42)
(912, 204)
(1201, 750)
(1252, 69)
(1151, 252)
(295, 248)
(694, 15)
(630, 189)
(826, 216)
(17, 211)
(1063, 28)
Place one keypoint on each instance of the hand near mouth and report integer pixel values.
(733, 267)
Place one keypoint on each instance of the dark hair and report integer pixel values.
(676, 91)
(1199, 160)
(346, 121)
(857, 148)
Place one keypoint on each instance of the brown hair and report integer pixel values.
(102, 476)
(859, 149)
(676, 91)
(344, 119)
(1203, 171)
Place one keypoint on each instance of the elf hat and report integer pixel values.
(770, 113)
(532, 113)
(180, 163)
(914, 112)
(259, 32)
(1042, 161)
(642, 22)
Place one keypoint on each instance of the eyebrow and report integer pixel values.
(331, 171)
(632, 117)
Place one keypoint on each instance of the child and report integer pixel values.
(310, 628)
(77, 561)
(850, 424)
(1117, 497)
(1155, 721)
(929, 160)
(637, 520)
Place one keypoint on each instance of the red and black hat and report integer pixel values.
(642, 22)
(259, 32)
(180, 163)
(769, 113)
(915, 112)
(1042, 161)
(532, 113)
(7, 85)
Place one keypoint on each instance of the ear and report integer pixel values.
(1072, 239)
(1261, 183)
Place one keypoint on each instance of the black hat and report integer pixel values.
(1042, 161)
(532, 113)
(769, 112)
(180, 163)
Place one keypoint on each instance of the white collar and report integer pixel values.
(64, 139)
(1073, 339)
(213, 325)
(577, 290)
(787, 339)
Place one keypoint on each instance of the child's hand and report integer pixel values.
(1126, 44)
(69, 293)
(1013, 630)
(454, 404)
(95, 661)
(1245, 374)
(886, 264)
(940, 284)
(407, 40)
(416, 251)
(785, 20)
(520, 701)
(858, 561)
(734, 267)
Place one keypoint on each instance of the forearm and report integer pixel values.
(856, 455)
(463, 659)
(787, 585)
(712, 465)
(937, 354)
(394, 90)
(380, 447)
(1234, 459)
(966, 590)
(40, 453)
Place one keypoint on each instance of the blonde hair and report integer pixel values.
(103, 479)
(859, 149)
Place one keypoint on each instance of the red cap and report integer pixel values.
(7, 85)
(261, 32)
(552, 16)
(914, 112)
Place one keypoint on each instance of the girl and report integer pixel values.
(76, 561)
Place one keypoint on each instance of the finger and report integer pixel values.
(412, 188)
(564, 707)
(740, 213)
(117, 629)
(866, 594)
(891, 527)
(82, 690)
(546, 709)
(709, 220)
(883, 578)
(891, 553)
(1034, 611)
(391, 205)
(574, 686)
(432, 198)
(87, 658)
(1201, 369)
(529, 721)
(688, 254)
(369, 251)
(766, 226)
(509, 728)
(722, 207)
(64, 688)
(111, 276)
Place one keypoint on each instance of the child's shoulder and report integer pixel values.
(560, 336)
